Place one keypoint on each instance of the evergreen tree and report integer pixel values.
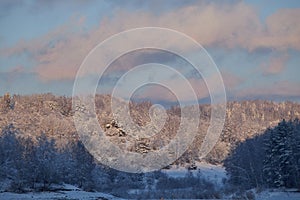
(269, 162)
(271, 159)
(295, 144)
(279, 163)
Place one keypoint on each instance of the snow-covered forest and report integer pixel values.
(27, 167)
(45, 155)
(270, 160)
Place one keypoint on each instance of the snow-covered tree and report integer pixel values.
(271, 159)
(279, 163)
(244, 164)
(84, 165)
(9, 152)
(44, 162)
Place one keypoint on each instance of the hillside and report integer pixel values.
(52, 115)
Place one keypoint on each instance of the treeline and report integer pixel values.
(36, 165)
(271, 160)
(27, 165)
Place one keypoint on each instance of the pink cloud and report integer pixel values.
(281, 32)
(230, 80)
(275, 65)
(60, 52)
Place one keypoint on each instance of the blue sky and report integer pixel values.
(255, 44)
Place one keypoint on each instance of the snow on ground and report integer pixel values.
(213, 173)
(273, 195)
(69, 192)
(80, 195)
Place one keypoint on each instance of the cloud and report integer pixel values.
(231, 81)
(280, 88)
(198, 85)
(9, 77)
(159, 93)
(281, 32)
(275, 65)
(59, 53)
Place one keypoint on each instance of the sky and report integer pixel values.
(255, 45)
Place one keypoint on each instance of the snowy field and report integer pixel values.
(73, 193)
(80, 195)
(267, 195)
(213, 173)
